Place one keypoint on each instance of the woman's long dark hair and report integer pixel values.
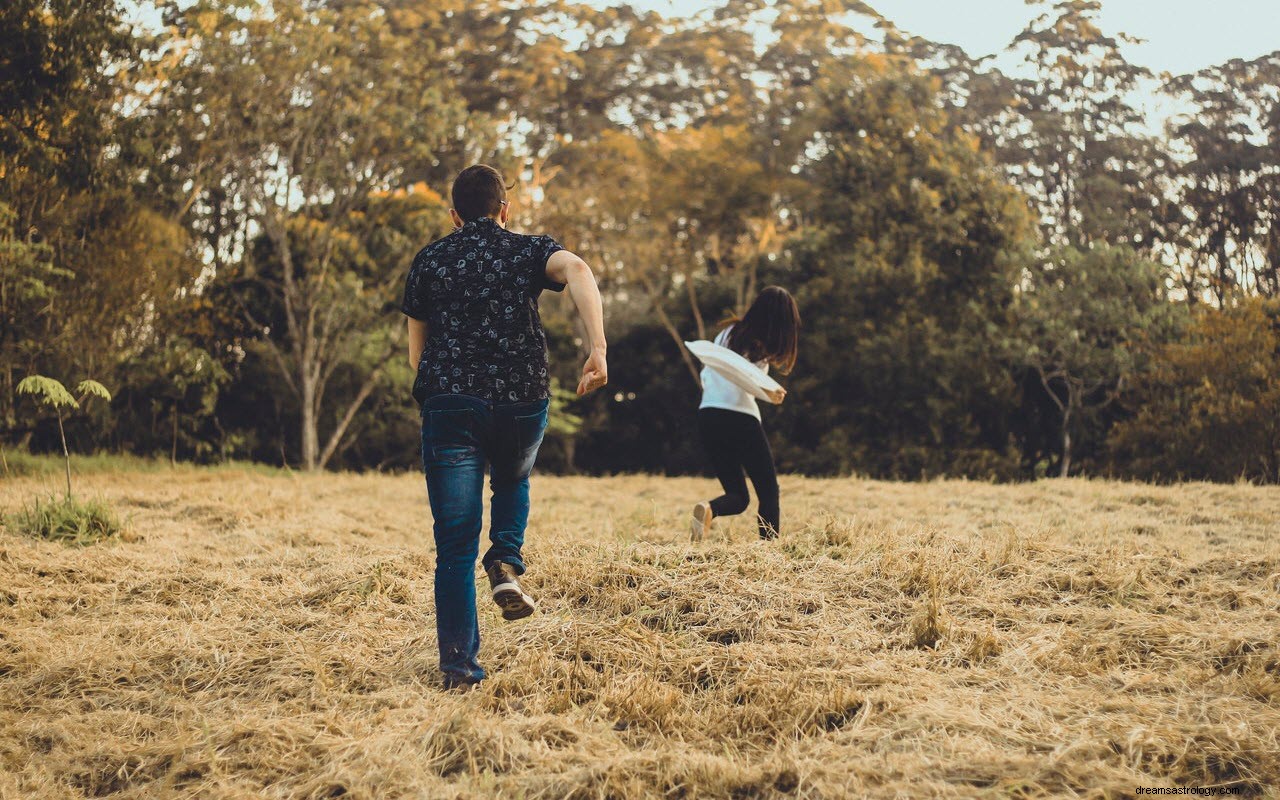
(770, 330)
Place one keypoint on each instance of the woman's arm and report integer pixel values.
(567, 268)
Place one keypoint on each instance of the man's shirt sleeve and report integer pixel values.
(417, 300)
(544, 249)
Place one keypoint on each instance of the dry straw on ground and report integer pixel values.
(267, 636)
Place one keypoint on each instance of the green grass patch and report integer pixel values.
(66, 520)
(22, 464)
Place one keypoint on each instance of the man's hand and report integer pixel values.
(564, 267)
(776, 396)
(595, 373)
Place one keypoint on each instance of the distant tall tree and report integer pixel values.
(978, 97)
(1070, 136)
(1223, 226)
(1083, 157)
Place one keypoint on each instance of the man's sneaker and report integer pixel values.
(458, 686)
(507, 592)
(701, 523)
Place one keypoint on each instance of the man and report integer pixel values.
(477, 343)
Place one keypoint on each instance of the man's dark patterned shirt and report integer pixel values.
(477, 289)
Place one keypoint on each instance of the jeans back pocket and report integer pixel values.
(452, 434)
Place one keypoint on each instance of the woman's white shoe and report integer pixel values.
(700, 525)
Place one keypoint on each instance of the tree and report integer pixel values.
(1082, 156)
(1208, 408)
(50, 392)
(170, 399)
(1069, 136)
(1081, 317)
(904, 279)
(686, 209)
(83, 260)
(1223, 224)
(55, 98)
(28, 285)
(322, 111)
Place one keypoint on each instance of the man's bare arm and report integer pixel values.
(417, 341)
(567, 268)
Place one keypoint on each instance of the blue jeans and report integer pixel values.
(460, 436)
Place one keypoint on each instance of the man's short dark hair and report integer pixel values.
(478, 191)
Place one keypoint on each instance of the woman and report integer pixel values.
(729, 419)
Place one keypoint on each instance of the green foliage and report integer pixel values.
(54, 51)
(24, 464)
(53, 394)
(1079, 313)
(903, 281)
(47, 391)
(234, 274)
(171, 399)
(1081, 318)
(91, 388)
(65, 520)
(560, 420)
(1209, 408)
(29, 283)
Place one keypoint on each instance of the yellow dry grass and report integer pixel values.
(273, 636)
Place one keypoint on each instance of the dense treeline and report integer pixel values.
(1002, 275)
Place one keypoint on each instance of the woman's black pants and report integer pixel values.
(736, 443)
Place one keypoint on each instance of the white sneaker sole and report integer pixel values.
(701, 522)
(515, 604)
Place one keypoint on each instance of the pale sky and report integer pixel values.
(1182, 35)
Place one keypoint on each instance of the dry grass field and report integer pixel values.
(260, 635)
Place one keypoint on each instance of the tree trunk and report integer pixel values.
(1065, 463)
(675, 336)
(750, 294)
(335, 438)
(66, 454)
(173, 450)
(310, 433)
(570, 444)
(692, 294)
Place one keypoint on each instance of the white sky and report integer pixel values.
(1182, 35)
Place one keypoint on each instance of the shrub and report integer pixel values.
(74, 522)
(1210, 407)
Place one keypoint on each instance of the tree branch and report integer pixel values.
(366, 389)
(275, 351)
(1044, 381)
(656, 300)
